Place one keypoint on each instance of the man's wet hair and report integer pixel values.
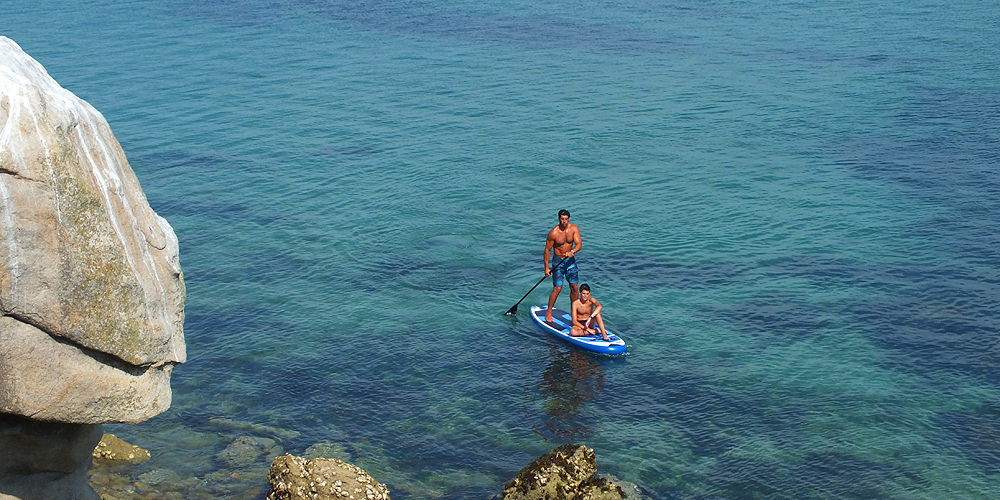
(564, 212)
(584, 287)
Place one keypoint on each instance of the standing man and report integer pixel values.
(564, 241)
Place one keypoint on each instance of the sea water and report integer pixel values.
(789, 210)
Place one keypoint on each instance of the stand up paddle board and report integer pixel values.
(561, 324)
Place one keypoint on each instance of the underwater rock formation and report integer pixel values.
(247, 450)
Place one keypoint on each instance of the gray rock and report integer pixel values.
(91, 289)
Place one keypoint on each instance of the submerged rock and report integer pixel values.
(295, 478)
(254, 428)
(327, 450)
(565, 473)
(245, 450)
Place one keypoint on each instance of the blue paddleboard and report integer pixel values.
(561, 324)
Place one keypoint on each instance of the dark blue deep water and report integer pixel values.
(790, 210)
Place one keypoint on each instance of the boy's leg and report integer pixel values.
(600, 323)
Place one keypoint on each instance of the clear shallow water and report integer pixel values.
(789, 211)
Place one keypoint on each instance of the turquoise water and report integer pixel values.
(789, 210)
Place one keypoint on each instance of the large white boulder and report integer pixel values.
(91, 289)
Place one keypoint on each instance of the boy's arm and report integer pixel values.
(597, 307)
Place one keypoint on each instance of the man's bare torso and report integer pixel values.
(562, 240)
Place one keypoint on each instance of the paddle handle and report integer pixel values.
(513, 309)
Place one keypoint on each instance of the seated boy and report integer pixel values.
(585, 310)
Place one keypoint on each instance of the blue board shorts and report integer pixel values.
(565, 271)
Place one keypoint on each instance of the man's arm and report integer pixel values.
(577, 242)
(549, 242)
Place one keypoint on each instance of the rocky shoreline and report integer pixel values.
(567, 472)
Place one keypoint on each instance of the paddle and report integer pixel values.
(513, 310)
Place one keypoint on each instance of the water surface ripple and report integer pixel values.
(789, 211)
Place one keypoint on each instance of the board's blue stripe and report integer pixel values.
(560, 322)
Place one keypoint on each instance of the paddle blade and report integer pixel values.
(512, 311)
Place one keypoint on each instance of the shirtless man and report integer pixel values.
(564, 241)
(585, 310)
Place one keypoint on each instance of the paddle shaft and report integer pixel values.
(513, 310)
